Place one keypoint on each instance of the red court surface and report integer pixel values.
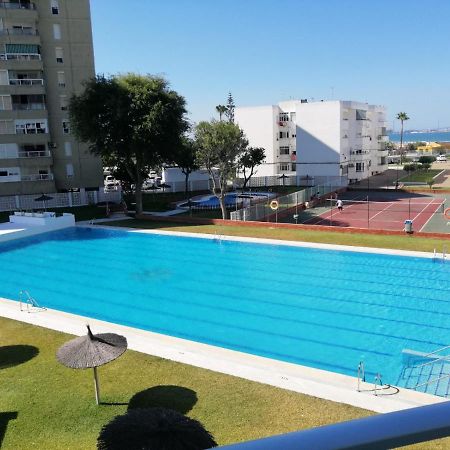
(382, 215)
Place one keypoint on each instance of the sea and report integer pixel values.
(433, 136)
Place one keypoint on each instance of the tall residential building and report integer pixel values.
(332, 138)
(46, 52)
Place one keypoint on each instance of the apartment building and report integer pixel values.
(46, 52)
(312, 139)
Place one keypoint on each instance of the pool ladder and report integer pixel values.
(444, 254)
(29, 303)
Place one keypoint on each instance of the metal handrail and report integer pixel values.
(434, 380)
(443, 358)
(436, 351)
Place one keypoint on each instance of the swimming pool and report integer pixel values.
(232, 199)
(326, 309)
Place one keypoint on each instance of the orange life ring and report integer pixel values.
(447, 213)
(273, 205)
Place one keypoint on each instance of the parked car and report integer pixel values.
(441, 158)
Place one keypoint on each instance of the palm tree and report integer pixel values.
(402, 116)
(221, 109)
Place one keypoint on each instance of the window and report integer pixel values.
(4, 78)
(284, 150)
(66, 126)
(293, 167)
(293, 116)
(283, 117)
(57, 31)
(61, 79)
(69, 170)
(25, 127)
(6, 127)
(284, 134)
(360, 114)
(5, 103)
(68, 148)
(285, 167)
(360, 167)
(54, 4)
(59, 55)
(64, 103)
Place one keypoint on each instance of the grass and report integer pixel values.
(56, 409)
(421, 175)
(407, 242)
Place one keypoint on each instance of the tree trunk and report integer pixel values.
(222, 206)
(186, 183)
(401, 144)
(138, 189)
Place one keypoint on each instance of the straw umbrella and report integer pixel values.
(92, 351)
(43, 198)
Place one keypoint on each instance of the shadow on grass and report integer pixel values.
(13, 355)
(178, 398)
(5, 417)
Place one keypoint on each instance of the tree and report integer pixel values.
(221, 109)
(430, 182)
(219, 148)
(249, 160)
(427, 159)
(154, 429)
(185, 159)
(131, 121)
(230, 108)
(402, 116)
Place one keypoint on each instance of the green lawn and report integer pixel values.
(56, 409)
(421, 175)
(407, 242)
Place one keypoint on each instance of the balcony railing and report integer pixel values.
(37, 177)
(20, 56)
(26, 82)
(34, 154)
(28, 106)
(30, 131)
(17, 5)
(18, 32)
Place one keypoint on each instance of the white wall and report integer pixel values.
(318, 138)
(258, 124)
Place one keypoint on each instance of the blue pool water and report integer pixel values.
(321, 308)
(230, 199)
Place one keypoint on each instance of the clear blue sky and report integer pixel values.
(395, 53)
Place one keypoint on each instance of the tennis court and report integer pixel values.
(379, 210)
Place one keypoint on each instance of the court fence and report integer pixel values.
(265, 210)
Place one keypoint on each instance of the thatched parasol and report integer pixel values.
(43, 198)
(92, 351)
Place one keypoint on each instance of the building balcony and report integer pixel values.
(19, 32)
(31, 63)
(18, 5)
(26, 82)
(34, 154)
(28, 106)
(37, 177)
(20, 57)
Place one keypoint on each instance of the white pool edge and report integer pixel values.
(294, 377)
(223, 237)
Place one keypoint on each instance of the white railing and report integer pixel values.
(20, 56)
(28, 106)
(37, 177)
(58, 200)
(35, 154)
(19, 32)
(17, 5)
(26, 81)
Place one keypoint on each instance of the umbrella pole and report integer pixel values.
(97, 386)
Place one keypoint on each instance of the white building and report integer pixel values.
(332, 138)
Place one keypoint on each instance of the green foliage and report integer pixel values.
(430, 182)
(131, 121)
(230, 108)
(221, 109)
(410, 167)
(249, 160)
(402, 116)
(219, 148)
(185, 157)
(426, 159)
(426, 166)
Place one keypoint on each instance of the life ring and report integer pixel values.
(447, 213)
(274, 205)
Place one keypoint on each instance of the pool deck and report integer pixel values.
(306, 380)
